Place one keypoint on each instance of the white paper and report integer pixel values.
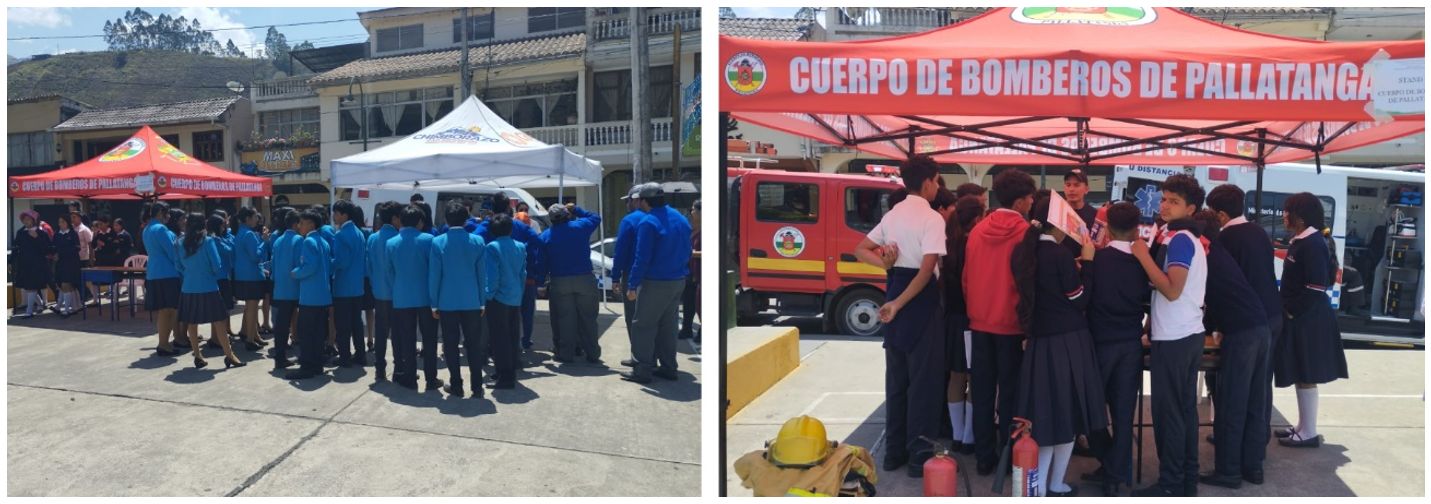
(1062, 216)
(1398, 86)
(144, 183)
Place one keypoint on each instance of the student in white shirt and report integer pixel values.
(908, 243)
(1179, 279)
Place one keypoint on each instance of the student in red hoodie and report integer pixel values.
(992, 301)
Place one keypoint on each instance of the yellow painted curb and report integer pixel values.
(760, 357)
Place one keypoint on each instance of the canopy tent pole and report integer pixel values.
(601, 210)
(1261, 167)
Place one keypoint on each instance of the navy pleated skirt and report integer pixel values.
(1310, 349)
(955, 324)
(1060, 388)
(249, 290)
(202, 308)
(162, 294)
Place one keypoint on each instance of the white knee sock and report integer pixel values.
(1307, 413)
(1045, 459)
(30, 298)
(956, 420)
(1061, 454)
(64, 301)
(968, 436)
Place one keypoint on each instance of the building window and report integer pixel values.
(31, 150)
(209, 146)
(395, 113)
(285, 123)
(478, 27)
(612, 95)
(400, 38)
(787, 202)
(544, 19)
(535, 105)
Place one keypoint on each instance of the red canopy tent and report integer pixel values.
(1116, 85)
(117, 174)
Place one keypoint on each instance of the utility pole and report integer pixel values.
(677, 113)
(466, 65)
(640, 108)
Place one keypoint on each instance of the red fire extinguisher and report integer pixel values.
(1025, 460)
(941, 472)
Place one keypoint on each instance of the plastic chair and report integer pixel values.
(136, 261)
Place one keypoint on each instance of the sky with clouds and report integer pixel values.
(22, 22)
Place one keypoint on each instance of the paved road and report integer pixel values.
(92, 412)
(1373, 423)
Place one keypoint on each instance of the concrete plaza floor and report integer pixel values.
(1373, 425)
(92, 412)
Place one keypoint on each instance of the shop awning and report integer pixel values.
(143, 159)
(1116, 85)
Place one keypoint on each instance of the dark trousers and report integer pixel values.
(688, 310)
(502, 326)
(1121, 365)
(1241, 412)
(382, 328)
(348, 321)
(463, 328)
(283, 312)
(406, 324)
(996, 361)
(1275, 327)
(1174, 394)
(312, 333)
(654, 332)
(529, 313)
(574, 302)
(914, 385)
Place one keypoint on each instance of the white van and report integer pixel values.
(1358, 201)
(367, 199)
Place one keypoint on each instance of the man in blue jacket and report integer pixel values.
(285, 287)
(407, 264)
(572, 292)
(523, 234)
(313, 273)
(657, 279)
(387, 213)
(625, 254)
(506, 265)
(349, 265)
(161, 276)
(455, 281)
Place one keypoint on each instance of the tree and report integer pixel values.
(232, 50)
(140, 30)
(276, 48)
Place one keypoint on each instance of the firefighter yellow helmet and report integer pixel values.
(801, 442)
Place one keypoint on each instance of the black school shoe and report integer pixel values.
(985, 468)
(1253, 477)
(892, 462)
(1296, 441)
(1155, 490)
(1221, 480)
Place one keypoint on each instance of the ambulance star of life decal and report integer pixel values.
(1148, 199)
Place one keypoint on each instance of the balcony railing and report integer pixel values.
(282, 89)
(890, 18)
(601, 135)
(658, 22)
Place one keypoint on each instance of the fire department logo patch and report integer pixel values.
(745, 73)
(14, 186)
(789, 242)
(126, 150)
(1105, 16)
(161, 181)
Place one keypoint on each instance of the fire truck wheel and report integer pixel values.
(857, 312)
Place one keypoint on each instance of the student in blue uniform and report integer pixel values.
(408, 262)
(1234, 315)
(314, 272)
(1310, 349)
(625, 254)
(201, 302)
(1061, 391)
(348, 268)
(455, 281)
(1118, 298)
(387, 214)
(572, 292)
(657, 278)
(218, 229)
(249, 283)
(285, 288)
(368, 305)
(161, 276)
(523, 234)
(506, 264)
(1179, 278)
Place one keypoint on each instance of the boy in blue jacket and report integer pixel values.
(387, 213)
(313, 272)
(407, 265)
(285, 288)
(348, 270)
(506, 265)
(455, 277)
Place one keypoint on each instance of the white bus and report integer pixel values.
(1376, 217)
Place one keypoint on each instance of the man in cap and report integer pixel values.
(573, 293)
(625, 254)
(655, 283)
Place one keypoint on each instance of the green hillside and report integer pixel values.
(111, 79)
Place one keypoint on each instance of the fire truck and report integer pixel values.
(793, 237)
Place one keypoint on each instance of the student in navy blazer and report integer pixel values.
(455, 277)
(407, 265)
(313, 272)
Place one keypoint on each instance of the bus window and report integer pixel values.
(787, 202)
(864, 207)
(1271, 219)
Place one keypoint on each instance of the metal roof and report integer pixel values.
(323, 59)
